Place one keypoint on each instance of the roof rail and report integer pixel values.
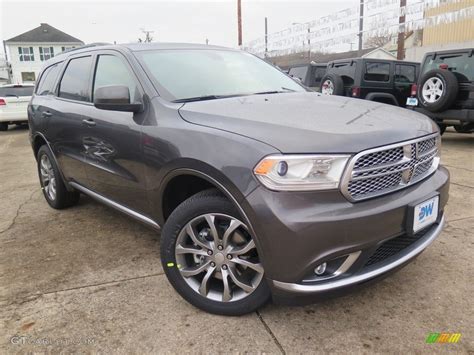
(95, 44)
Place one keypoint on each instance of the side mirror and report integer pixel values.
(115, 98)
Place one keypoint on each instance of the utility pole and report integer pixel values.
(239, 21)
(309, 39)
(309, 44)
(266, 37)
(401, 32)
(361, 26)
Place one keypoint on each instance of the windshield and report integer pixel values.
(16, 91)
(209, 74)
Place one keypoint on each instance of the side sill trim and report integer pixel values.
(356, 279)
(116, 205)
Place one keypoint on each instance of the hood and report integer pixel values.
(309, 122)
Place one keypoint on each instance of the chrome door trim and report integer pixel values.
(116, 205)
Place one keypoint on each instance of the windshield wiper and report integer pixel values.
(215, 97)
(283, 90)
(204, 98)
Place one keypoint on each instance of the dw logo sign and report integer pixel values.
(426, 211)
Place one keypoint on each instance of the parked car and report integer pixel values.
(310, 75)
(13, 104)
(445, 90)
(386, 81)
(262, 189)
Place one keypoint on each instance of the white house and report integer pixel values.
(380, 53)
(3, 71)
(27, 52)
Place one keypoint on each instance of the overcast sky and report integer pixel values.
(171, 21)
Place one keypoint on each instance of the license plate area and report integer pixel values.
(422, 214)
(412, 101)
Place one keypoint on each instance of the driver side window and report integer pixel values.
(110, 70)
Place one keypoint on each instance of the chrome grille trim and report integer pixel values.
(382, 170)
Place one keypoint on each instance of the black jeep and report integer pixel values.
(387, 81)
(310, 75)
(445, 91)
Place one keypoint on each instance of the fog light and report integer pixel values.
(321, 269)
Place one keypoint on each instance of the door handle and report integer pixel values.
(89, 122)
(46, 114)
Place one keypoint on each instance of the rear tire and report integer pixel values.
(3, 126)
(54, 190)
(438, 90)
(188, 243)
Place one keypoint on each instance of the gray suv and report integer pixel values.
(260, 188)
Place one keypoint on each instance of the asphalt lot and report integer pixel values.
(88, 279)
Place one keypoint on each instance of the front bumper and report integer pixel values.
(369, 273)
(296, 232)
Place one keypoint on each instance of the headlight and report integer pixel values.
(301, 172)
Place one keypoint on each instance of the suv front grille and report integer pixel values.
(382, 170)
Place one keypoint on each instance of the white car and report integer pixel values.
(14, 104)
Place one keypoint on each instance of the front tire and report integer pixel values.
(3, 126)
(210, 257)
(54, 190)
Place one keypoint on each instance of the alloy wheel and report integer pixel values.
(432, 90)
(48, 178)
(327, 88)
(217, 258)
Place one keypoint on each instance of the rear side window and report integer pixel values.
(75, 82)
(405, 73)
(16, 91)
(377, 71)
(112, 71)
(462, 65)
(298, 72)
(47, 80)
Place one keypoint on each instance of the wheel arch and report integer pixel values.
(208, 179)
(37, 142)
